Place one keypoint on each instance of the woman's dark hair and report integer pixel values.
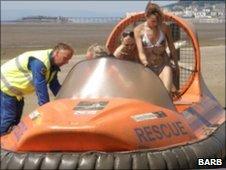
(154, 9)
(128, 33)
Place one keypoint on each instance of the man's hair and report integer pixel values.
(97, 50)
(63, 46)
(154, 9)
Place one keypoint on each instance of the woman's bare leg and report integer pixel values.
(167, 77)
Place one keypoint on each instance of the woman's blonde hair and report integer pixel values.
(97, 50)
(154, 9)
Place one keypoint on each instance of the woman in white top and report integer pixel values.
(151, 39)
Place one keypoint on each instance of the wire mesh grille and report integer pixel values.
(185, 53)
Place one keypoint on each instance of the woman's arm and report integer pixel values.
(118, 51)
(137, 36)
(173, 54)
(170, 43)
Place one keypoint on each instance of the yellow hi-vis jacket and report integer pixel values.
(16, 78)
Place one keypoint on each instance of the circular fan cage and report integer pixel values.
(182, 31)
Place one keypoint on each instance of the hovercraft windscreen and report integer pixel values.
(109, 77)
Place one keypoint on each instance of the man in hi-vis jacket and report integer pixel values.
(29, 72)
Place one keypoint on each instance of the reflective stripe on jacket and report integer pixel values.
(16, 78)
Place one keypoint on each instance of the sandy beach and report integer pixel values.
(17, 38)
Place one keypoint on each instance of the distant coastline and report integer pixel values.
(60, 19)
(103, 20)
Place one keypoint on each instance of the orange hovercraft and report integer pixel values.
(115, 114)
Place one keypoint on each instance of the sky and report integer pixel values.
(12, 10)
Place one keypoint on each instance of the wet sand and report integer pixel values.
(17, 38)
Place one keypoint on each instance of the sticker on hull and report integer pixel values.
(148, 116)
(90, 105)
